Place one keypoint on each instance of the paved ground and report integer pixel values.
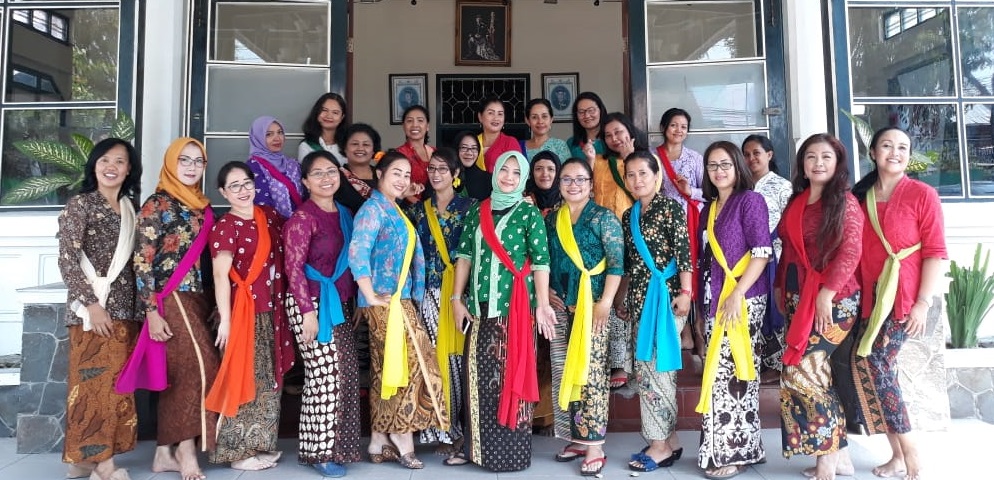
(953, 454)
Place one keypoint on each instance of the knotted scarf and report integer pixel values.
(396, 371)
(886, 289)
(738, 334)
(693, 214)
(330, 313)
(803, 320)
(577, 367)
(122, 254)
(235, 381)
(450, 341)
(657, 325)
(520, 382)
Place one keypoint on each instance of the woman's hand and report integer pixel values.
(461, 314)
(683, 185)
(589, 151)
(627, 148)
(914, 323)
(602, 310)
(309, 329)
(379, 300)
(731, 310)
(557, 303)
(545, 317)
(99, 320)
(681, 305)
(223, 332)
(779, 300)
(823, 311)
(158, 329)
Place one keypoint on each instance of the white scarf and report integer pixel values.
(123, 252)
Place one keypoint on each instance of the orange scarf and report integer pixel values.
(235, 382)
(169, 181)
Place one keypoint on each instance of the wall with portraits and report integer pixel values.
(395, 37)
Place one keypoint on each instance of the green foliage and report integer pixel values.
(969, 300)
(68, 158)
(918, 162)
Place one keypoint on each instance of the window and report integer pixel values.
(930, 71)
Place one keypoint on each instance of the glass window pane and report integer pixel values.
(239, 94)
(916, 62)
(976, 36)
(980, 147)
(23, 16)
(934, 132)
(687, 31)
(892, 25)
(52, 125)
(260, 33)
(39, 20)
(59, 27)
(729, 96)
(84, 68)
(224, 150)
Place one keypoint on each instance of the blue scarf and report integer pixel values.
(657, 321)
(330, 313)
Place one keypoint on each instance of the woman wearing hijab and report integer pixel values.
(503, 258)
(542, 187)
(473, 182)
(277, 176)
(173, 226)
(96, 247)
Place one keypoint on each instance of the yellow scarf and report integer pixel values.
(738, 335)
(886, 290)
(450, 341)
(395, 369)
(577, 366)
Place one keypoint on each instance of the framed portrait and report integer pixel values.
(483, 33)
(560, 90)
(406, 89)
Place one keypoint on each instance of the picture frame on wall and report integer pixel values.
(560, 90)
(483, 33)
(406, 89)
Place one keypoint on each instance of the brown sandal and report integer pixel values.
(408, 460)
(388, 453)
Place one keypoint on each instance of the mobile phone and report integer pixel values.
(465, 326)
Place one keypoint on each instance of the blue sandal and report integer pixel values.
(330, 469)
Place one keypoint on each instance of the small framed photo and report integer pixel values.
(483, 33)
(560, 90)
(406, 89)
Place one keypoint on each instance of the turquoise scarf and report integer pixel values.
(330, 313)
(657, 321)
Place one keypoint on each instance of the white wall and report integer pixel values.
(396, 37)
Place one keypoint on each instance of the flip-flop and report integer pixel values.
(602, 460)
(570, 453)
(330, 469)
(618, 380)
(645, 463)
(456, 460)
(738, 469)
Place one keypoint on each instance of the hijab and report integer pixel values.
(545, 198)
(169, 181)
(500, 200)
(257, 143)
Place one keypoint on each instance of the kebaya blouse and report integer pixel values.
(379, 239)
(598, 234)
(313, 237)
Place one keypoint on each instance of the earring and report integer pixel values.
(456, 182)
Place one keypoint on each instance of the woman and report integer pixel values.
(588, 119)
(542, 187)
(901, 213)
(360, 144)
(247, 254)
(324, 128)
(277, 176)
(321, 296)
(734, 291)
(473, 181)
(173, 227)
(100, 314)
(538, 116)
(493, 141)
(657, 264)
(776, 191)
(416, 149)
(439, 223)
(587, 261)
(388, 264)
(503, 258)
(818, 288)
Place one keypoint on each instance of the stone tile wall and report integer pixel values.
(922, 372)
(971, 393)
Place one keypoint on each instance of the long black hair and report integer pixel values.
(866, 183)
(833, 196)
(639, 140)
(743, 178)
(312, 127)
(132, 183)
(580, 133)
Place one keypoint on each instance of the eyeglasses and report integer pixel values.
(724, 166)
(578, 181)
(187, 161)
(323, 173)
(439, 170)
(468, 149)
(587, 112)
(238, 187)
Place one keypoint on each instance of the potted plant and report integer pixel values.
(969, 300)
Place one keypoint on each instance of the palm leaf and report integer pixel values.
(124, 127)
(85, 145)
(53, 153)
(34, 188)
(863, 129)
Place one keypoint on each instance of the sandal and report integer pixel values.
(388, 453)
(456, 460)
(585, 469)
(618, 379)
(715, 475)
(408, 460)
(570, 453)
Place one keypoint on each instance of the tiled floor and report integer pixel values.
(952, 454)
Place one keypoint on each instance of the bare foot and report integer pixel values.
(445, 449)
(164, 460)
(273, 456)
(186, 456)
(252, 463)
(893, 468)
(812, 472)
(911, 465)
(80, 470)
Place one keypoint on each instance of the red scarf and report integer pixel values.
(279, 177)
(799, 330)
(520, 377)
(693, 216)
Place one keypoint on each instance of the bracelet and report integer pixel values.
(927, 303)
(686, 292)
(455, 297)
